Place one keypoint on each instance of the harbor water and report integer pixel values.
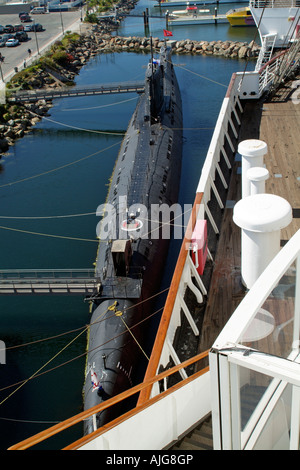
(51, 183)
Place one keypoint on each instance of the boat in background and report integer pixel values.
(193, 16)
(240, 17)
(180, 3)
(190, 10)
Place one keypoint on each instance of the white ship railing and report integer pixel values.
(279, 68)
(272, 73)
(274, 3)
(185, 273)
(249, 85)
(268, 74)
(258, 407)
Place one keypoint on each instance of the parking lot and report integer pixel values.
(54, 24)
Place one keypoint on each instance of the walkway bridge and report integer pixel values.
(68, 92)
(42, 281)
(68, 281)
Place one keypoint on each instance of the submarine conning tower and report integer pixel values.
(155, 83)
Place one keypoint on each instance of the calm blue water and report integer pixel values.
(76, 138)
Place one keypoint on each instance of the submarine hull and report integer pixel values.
(134, 232)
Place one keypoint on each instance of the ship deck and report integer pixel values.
(276, 121)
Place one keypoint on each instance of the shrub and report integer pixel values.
(91, 18)
(70, 38)
(60, 57)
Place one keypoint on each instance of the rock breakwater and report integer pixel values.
(230, 49)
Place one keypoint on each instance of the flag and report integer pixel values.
(167, 33)
(95, 381)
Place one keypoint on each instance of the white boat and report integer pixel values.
(188, 11)
(180, 3)
(194, 17)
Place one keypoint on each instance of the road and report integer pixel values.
(54, 24)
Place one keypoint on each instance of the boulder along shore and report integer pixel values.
(98, 39)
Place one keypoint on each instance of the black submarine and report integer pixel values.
(132, 251)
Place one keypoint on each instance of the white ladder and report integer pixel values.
(266, 50)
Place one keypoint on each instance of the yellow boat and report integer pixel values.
(240, 17)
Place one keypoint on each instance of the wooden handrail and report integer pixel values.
(90, 437)
(271, 61)
(170, 301)
(57, 428)
(230, 86)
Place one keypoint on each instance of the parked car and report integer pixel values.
(8, 28)
(38, 10)
(21, 36)
(7, 36)
(1, 29)
(2, 42)
(12, 42)
(25, 18)
(18, 27)
(37, 27)
(27, 27)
